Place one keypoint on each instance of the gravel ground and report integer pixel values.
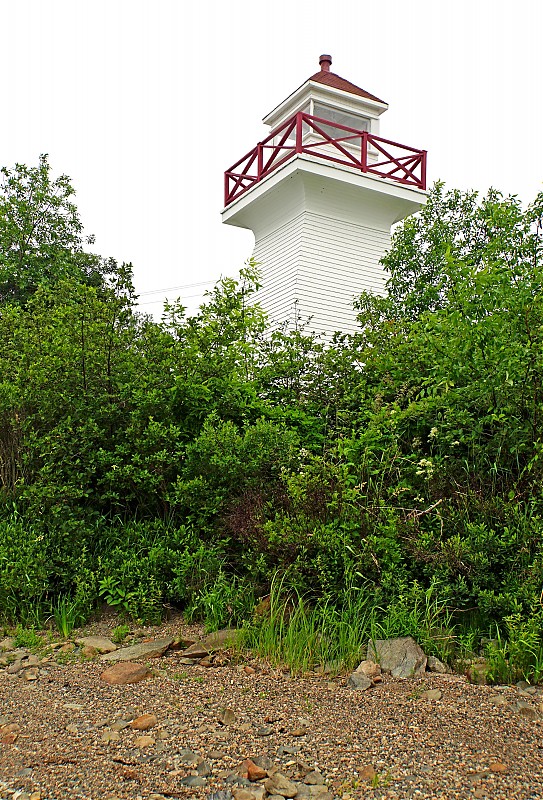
(387, 742)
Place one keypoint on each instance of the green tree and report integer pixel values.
(41, 234)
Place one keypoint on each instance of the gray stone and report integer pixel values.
(359, 681)
(264, 762)
(14, 668)
(227, 717)
(402, 657)
(100, 643)
(188, 758)
(216, 755)
(193, 781)
(195, 652)
(203, 769)
(153, 649)
(279, 784)
(265, 730)
(435, 665)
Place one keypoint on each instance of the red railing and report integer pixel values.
(387, 159)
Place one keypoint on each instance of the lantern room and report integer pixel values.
(321, 193)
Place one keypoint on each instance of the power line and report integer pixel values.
(175, 288)
(154, 302)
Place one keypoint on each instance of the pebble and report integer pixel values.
(193, 781)
(144, 723)
(144, 741)
(111, 736)
(432, 694)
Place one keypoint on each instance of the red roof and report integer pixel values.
(336, 82)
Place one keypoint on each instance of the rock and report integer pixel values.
(499, 700)
(314, 778)
(215, 755)
(369, 668)
(188, 758)
(265, 730)
(120, 724)
(367, 773)
(527, 711)
(222, 794)
(125, 672)
(435, 665)
(15, 667)
(7, 644)
(195, 652)
(221, 640)
(98, 643)
(497, 766)
(203, 769)
(252, 771)
(244, 794)
(279, 784)
(227, 717)
(432, 694)
(302, 731)
(144, 741)
(9, 727)
(263, 761)
(9, 738)
(249, 670)
(402, 657)
(111, 736)
(359, 681)
(477, 672)
(31, 674)
(144, 723)
(152, 649)
(89, 652)
(193, 781)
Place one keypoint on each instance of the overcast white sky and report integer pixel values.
(145, 104)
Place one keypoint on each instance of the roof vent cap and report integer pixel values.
(325, 63)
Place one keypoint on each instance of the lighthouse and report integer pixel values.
(321, 193)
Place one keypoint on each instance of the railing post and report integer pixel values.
(260, 161)
(299, 132)
(226, 189)
(423, 169)
(364, 154)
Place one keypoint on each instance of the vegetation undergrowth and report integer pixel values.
(386, 482)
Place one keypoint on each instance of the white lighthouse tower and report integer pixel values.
(320, 194)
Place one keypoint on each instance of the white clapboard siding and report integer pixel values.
(315, 266)
(278, 256)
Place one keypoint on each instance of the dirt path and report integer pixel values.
(70, 736)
